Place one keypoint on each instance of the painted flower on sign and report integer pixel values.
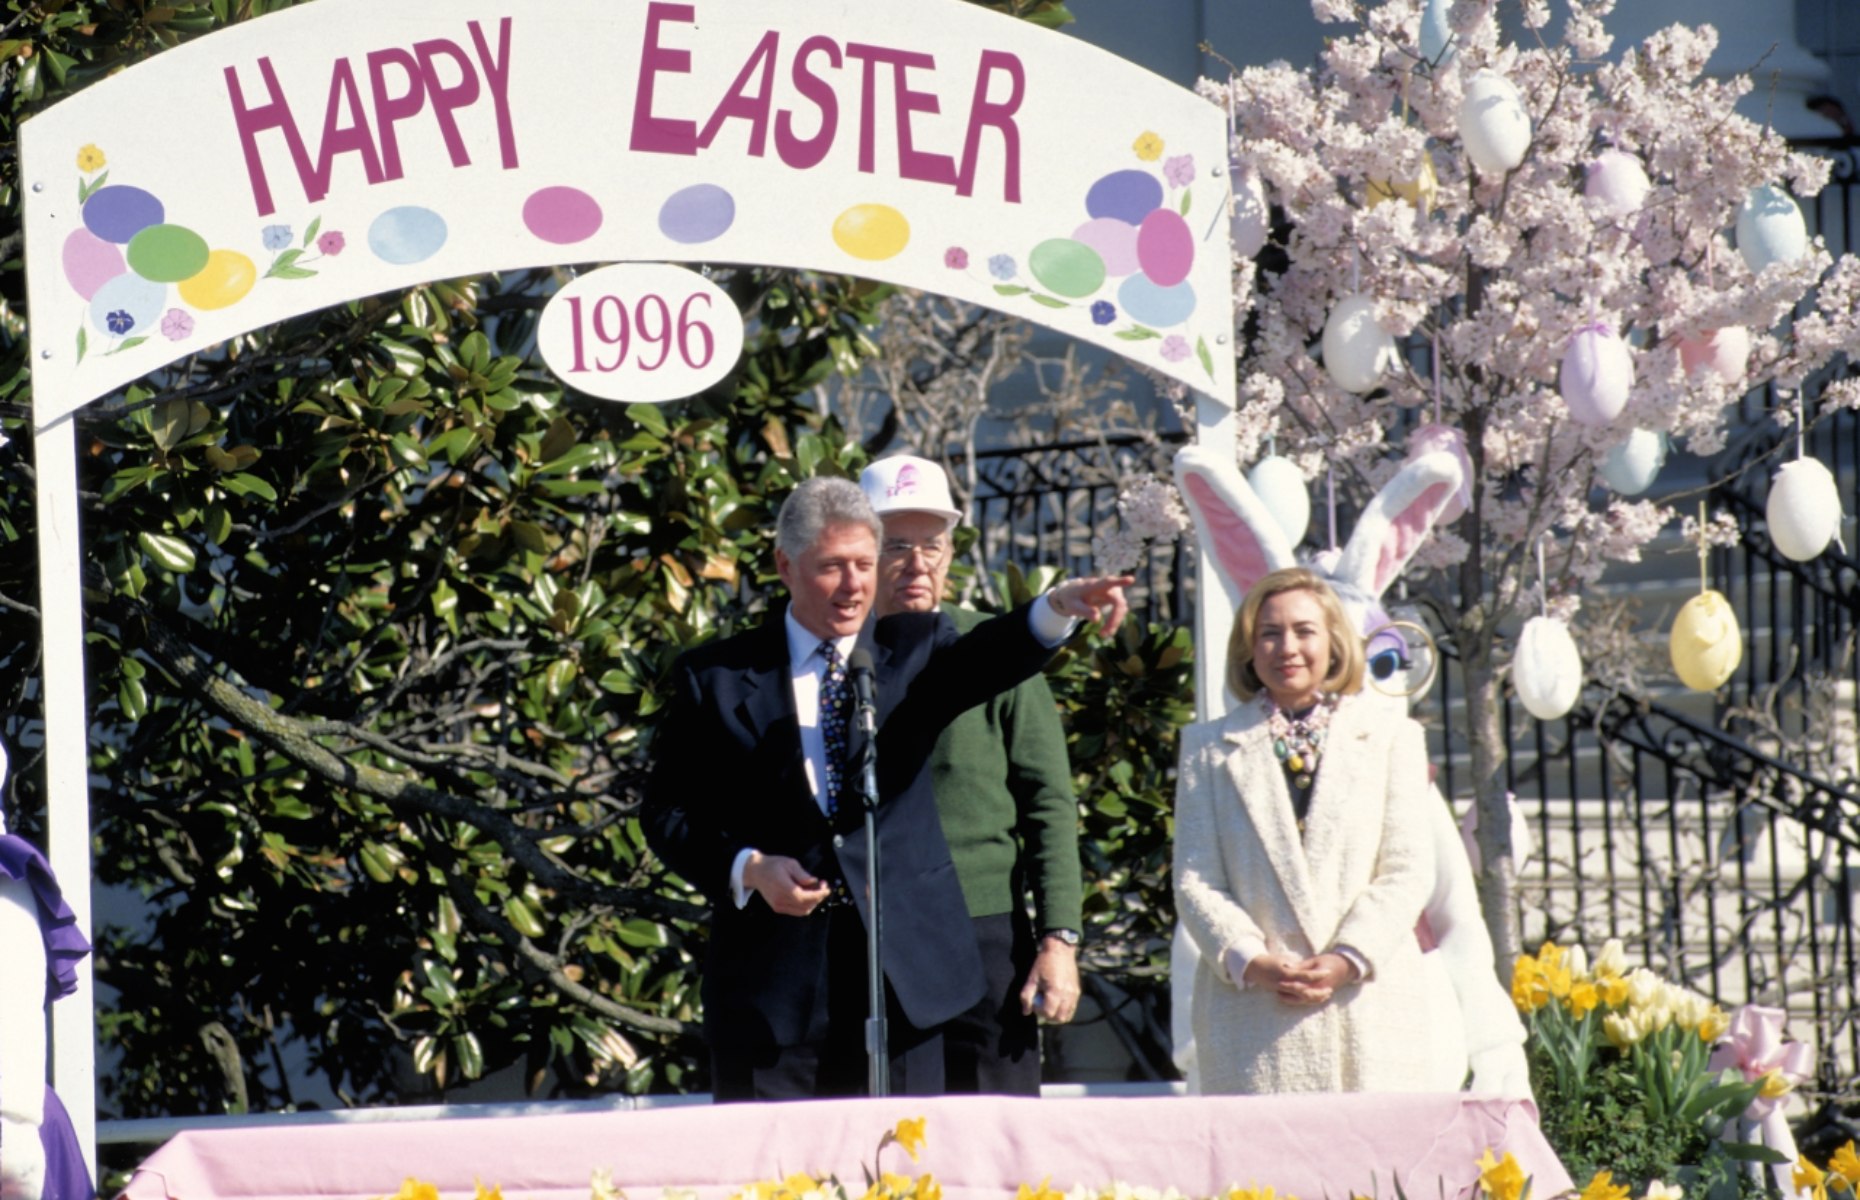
(1180, 170)
(1175, 348)
(1103, 312)
(89, 158)
(119, 321)
(331, 243)
(1149, 146)
(276, 237)
(177, 324)
(956, 258)
(1001, 266)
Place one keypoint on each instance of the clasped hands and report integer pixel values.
(1300, 981)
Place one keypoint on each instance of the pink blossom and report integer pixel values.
(331, 243)
(956, 258)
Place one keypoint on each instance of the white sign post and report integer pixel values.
(348, 147)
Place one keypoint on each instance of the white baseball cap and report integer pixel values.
(906, 483)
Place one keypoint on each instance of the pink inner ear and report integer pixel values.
(1407, 530)
(1236, 547)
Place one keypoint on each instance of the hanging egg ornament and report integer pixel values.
(1418, 192)
(1804, 509)
(1596, 375)
(1357, 350)
(1617, 183)
(1436, 35)
(1723, 352)
(1495, 128)
(1280, 486)
(1252, 219)
(1433, 438)
(1632, 464)
(1706, 643)
(1546, 668)
(1770, 228)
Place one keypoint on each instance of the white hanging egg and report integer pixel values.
(1596, 376)
(1804, 509)
(1281, 487)
(1546, 669)
(1437, 43)
(1724, 352)
(1252, 219)
(1770, 228)
(1632, 463)
(1706, 643)
(1494, 126)
(1357, 350)
(1617, 183)
(1431, 438)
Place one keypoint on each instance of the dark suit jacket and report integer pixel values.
(729, 773)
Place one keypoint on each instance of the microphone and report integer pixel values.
(865, 701)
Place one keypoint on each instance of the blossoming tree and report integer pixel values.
(1525, 249)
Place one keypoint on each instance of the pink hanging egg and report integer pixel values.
(1617, 183)
(1724, 352)
(1596, 376)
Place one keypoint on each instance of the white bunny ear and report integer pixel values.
(1239, 536)
(1398, 520)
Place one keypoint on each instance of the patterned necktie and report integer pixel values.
(835, 708)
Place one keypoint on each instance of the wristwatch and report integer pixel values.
(1069, 936)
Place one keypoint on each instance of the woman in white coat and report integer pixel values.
(1303, 861)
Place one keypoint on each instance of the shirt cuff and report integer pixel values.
(1357, 962)
(737, 889)
(1049, 628)
(1235, 958)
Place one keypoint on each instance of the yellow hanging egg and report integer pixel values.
(873, 232)
(1419, 191)
(1706, 643)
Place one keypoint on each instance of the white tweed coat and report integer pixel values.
(1360, 878)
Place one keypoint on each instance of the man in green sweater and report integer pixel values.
(1004, 793)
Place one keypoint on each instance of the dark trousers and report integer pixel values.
(994, 1047)
(832, 1062)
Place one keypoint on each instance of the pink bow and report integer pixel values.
(1754, 1046)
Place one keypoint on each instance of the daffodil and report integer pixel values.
(1149, 146)
(481, 1192)
(1503, 1179)
(1658, 1190)
(910, 1135)
(1583, 998)
(1807, 1177)
(1256, 1193)
(928, 1188)
(1604, 1187)
(415, 1189)
(1846, 1164)
(601, 1185)
(1044, 1192)
(1614, 990)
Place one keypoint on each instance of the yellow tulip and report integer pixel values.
(1612, 961)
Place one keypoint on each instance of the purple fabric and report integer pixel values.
(66, 1177)
(65, 943)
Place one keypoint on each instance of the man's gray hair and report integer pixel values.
(818, 503)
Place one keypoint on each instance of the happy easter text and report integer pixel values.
(451, 84)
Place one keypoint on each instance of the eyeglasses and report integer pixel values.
(930, 553)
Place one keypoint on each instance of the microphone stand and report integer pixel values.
(877, 1036)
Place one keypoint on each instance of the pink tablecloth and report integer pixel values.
(978, 1147)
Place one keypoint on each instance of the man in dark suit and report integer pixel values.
(753, 800)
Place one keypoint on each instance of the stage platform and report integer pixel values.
(1310, 1146)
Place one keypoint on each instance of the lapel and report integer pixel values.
(1260, 782)
(1339, 814)
(767, 709)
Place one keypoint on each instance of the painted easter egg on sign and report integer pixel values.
(128, 305)
(1357, 350)
(1705, 643)
(697, 214)
(1804, 509)
(90, 262)
(407, 235)
(1128, 196)
(1066, 268)
(562, 215)
(167, 253)
(1165, 247)
(1158, 307)
(1596, 375)
(1495, 128)
(119, 212)
(1632, 464)
(1114, 241)
(223, 282)
(1280, 486)
(1770, 228)
(873, 232)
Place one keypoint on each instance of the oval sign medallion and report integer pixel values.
(640, 333)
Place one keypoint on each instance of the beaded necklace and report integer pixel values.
(1298, 742)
